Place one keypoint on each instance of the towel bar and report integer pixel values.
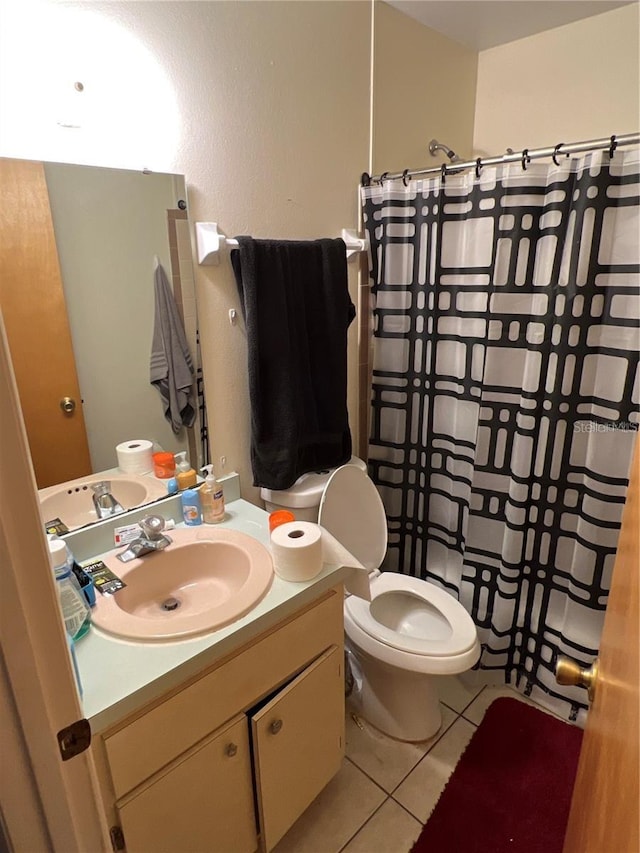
(210, 242)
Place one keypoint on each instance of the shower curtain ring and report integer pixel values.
(613, 146)
(525, 159)
(478, 167)
(382, 178)
(554, 156)
(443, 172)
(404, 177)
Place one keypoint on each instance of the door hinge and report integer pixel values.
(117, 838)
(74, 739)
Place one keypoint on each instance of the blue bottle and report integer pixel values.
(191, 509)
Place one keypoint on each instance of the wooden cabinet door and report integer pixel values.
(200, 803)
(298, 741)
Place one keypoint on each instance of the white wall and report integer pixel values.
(424, 87)
(264, 106)
(572, 83)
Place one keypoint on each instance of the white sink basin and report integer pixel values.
(205, 579)
(72, 502)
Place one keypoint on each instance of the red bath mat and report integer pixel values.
(511, 790)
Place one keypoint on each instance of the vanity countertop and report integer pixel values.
(118, 676)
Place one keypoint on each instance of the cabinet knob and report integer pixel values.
(275, 727)
(231, 749)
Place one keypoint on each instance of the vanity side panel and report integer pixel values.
(139, 747)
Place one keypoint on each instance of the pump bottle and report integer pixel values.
(211, 498)
(185, 475)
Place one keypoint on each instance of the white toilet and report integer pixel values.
(409, 633)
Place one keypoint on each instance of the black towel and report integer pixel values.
(297, 310)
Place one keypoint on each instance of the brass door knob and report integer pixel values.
(68, 405)
(569, 672)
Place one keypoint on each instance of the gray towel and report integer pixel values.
(171, 363)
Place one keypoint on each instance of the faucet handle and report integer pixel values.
(152, 526)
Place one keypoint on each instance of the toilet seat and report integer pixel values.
(433, 624)
(409, 623)
(351, 510)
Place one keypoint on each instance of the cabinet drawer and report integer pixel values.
(298, 744)
(202, 801)
(146, 744)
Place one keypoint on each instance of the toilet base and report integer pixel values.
(401, 704)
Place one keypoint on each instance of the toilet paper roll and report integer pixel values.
(297, 550)
(135, 456)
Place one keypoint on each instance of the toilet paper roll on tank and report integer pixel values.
(300, 549)
(135, 456)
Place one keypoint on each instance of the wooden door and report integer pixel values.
(203, 801)
(37, 327)
(298, 744)
(604, 809)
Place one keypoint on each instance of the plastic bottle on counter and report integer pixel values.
(211, 498)
(75, 609)
(185, 475)
(191, 509)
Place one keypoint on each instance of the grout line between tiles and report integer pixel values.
(366, 821)
(424, 755)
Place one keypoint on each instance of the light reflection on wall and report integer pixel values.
(126, 114)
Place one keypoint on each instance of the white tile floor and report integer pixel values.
(386, 790)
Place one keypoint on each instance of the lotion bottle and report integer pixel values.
(211, 498)
(185, 475)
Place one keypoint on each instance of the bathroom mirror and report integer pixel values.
(96, 234)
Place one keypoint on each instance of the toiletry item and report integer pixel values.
(211, 498)
(75, 610)
(164, 465)
(185, 475)
(55, 527)
(191, 510)
(85, 583)
(135, 456)
(280, 516)
(104, 579)
(172, 486)
(74, 662)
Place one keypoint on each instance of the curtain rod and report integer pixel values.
(524, 157)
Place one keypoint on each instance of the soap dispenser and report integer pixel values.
(185, 475)
(211, 498)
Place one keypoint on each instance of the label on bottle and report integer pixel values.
(74, 609)
(191, 513)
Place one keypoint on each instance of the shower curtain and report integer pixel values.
(505, 397)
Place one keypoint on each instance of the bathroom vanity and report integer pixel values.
(220, 742)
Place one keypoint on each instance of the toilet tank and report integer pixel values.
(303, 498)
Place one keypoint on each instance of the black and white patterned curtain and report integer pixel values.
(505, 397)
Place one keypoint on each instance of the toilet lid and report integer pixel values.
(413, 615)
(352, 511)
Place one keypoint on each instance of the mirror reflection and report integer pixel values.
(79, 253)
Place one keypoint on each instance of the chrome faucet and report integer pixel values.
(105, 503)
(151, 539)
